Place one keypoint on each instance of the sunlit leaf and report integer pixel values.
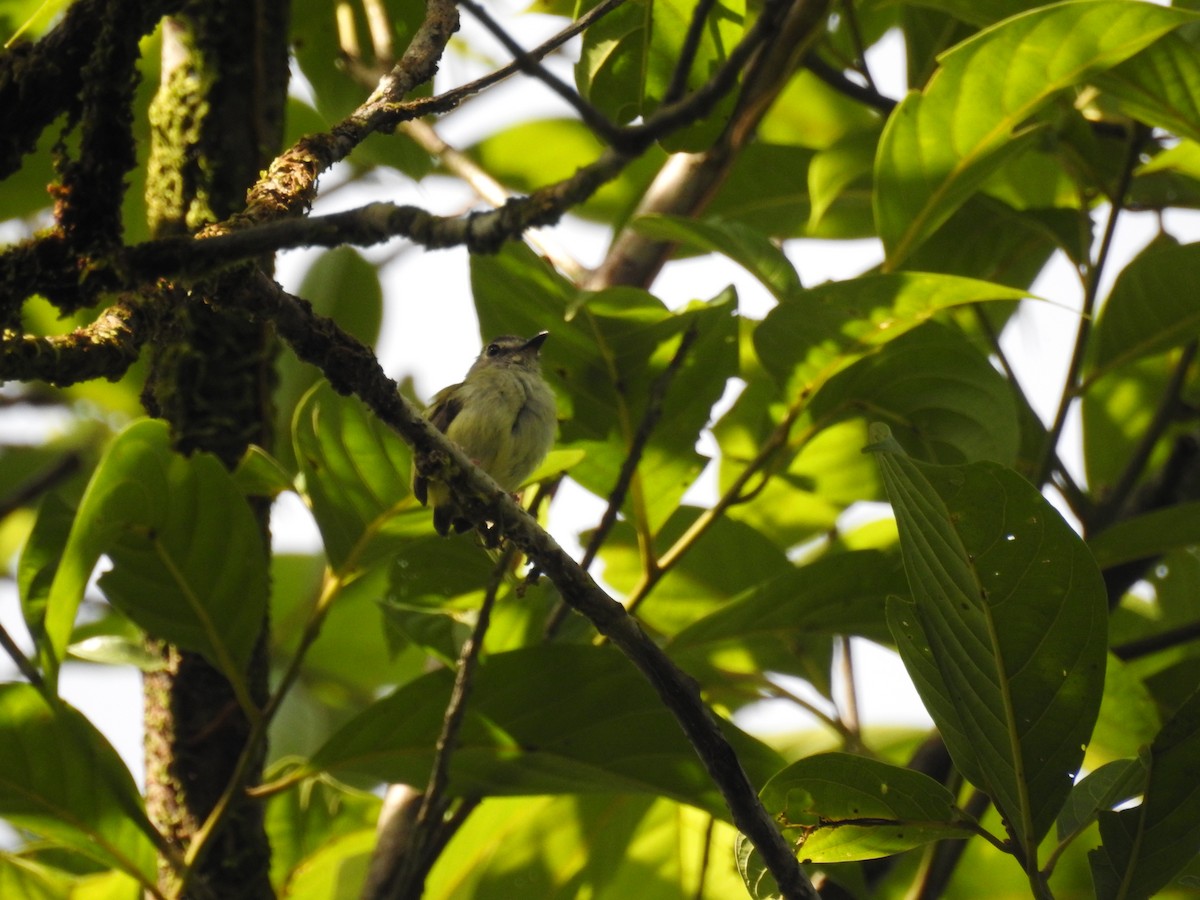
(1149, 309)
(812, 336)
(61, 779)
(1005, 636)
(355, 474)
(1144, 847)
(748, 248)
(940, 144)
(1103, 789)
(621, 845)
(835, 807)
(943, 400)
(187, 553)
(596, 726)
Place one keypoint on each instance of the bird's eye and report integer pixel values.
(493, 350)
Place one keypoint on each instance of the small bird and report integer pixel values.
(503, 417)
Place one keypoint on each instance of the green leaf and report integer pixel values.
(355, 473)
(530, 155)
(628, 59)
(1107, 787)
(1116, 411)
(848, 162)
(835, 807)
(602, 846)
(940, 144)
(187, 552)
(1159, 86)
(812, 336)
(943, 400)
(596, 725)
(39, 562)
(745, 246)
(726, 559)
(344, 286)
(1144, 847)
(1148, 535)
(1005, 637)
(842, 593)
(30, 880)
(1149, 309)
(60, 778)
(304, 822)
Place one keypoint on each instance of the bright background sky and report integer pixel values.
(431, 332)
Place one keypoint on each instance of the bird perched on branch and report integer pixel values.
(502, 415)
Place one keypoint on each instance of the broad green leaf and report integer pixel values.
(1159, 86)
(841, 593)
(1148, 535)
(940, 144)
(606, 847)
(354, 659)
(1103, 789)
(745, 246)
(61, 779)
(833, 170)
(1144, 847)
(811, 113)
(1116, 411)
(722, 563)
(355, 472)
(629, 57)
(1149, 309)
(336, 870)
(812, 336)
(303, 822)
(835, 807)
(187, 553)
(980, 12)
(779, 205)
(1128, 720)
(596, 725)
(1005, 636)
(30, 880)
(943, 400)
(344, 286)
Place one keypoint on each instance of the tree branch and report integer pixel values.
(40, 81)
(352, 368)
(104, 349)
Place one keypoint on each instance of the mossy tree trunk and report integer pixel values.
(217, 120)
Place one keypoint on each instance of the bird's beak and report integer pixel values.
(535, 342)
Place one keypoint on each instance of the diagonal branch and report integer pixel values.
(352, 368)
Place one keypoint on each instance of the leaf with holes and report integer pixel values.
(1006, 634)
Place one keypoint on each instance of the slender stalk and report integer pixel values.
(1090, 296)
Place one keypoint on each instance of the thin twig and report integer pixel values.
(23, 664)
(454, 97)
(456, 710)
(1050, 447)
(1166, 413)
(1164, 640)
(687, 53)
(64, 467)
(591, 116)
(637, 447)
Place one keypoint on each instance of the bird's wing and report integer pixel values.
(441, 412)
